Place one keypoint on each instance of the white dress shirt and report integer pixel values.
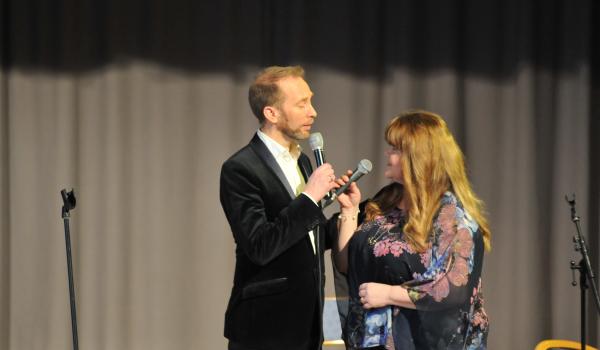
(288, 162)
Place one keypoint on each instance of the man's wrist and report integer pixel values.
(311, 198)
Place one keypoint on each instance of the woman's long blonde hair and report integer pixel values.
(432, 163)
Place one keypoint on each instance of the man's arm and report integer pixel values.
(260, 238)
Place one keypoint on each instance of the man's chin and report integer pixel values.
(301, 135)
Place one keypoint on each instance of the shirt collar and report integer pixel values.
(278, 150)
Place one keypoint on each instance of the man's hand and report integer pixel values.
(321, 182)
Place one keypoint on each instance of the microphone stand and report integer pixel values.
(317, 235)
(68, 204)
(586, 274)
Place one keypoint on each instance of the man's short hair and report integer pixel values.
(264, 91)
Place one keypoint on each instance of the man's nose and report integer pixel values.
(312, 112)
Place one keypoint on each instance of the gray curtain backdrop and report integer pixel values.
(136, 104)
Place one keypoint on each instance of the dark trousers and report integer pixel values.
(311, 344)
(237, 346)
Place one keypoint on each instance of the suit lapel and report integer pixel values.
(305, 167)
(263, 152)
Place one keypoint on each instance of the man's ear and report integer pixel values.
(271, 114)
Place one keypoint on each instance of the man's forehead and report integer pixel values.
(295, 85)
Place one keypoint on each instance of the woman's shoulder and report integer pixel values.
(392, 215)
(449, 198)
(450, 202)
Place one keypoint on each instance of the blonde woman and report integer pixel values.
(414, 264)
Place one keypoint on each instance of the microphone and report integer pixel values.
(364, 167)
(315, 140)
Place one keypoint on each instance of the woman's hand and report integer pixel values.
(374, 295)
(350, 199)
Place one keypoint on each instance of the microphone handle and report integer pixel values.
(356, 175)
(319, 157)
(320, 160)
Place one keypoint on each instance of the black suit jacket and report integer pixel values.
(274, 301)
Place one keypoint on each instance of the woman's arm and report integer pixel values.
(347, 221)
(374, 295)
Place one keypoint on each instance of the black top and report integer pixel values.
(443, 282)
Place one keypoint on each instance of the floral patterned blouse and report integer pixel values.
(443, 282)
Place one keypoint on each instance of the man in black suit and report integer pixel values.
(271, 199)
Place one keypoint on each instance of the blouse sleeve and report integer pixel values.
(452, 263)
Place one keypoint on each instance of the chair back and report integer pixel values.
(561, 344)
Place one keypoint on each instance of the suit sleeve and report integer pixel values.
(262, 238)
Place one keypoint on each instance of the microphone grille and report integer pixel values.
(315, 140)
(365, 166)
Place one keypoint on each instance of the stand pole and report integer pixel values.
(586, 274)
(582, 287)
(69, 203)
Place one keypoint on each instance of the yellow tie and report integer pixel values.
(301, 185)
(299, 190)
